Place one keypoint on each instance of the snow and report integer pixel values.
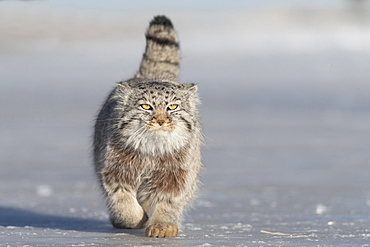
(44, 190)
(321, 209)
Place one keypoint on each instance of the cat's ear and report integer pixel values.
(125, 92)
(125, 86)
(190, 87)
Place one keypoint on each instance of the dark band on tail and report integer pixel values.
(161, 20)
(162, 42)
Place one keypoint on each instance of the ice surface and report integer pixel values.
(285, 112)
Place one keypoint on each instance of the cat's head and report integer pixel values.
(157, 117)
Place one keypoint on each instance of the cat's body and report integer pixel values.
(147, 140)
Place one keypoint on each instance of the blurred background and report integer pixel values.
(284, 87)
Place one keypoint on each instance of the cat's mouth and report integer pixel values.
(160, 123)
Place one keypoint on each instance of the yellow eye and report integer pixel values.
(146, 107)
(172, 107)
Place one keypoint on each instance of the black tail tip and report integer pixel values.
(161, 20)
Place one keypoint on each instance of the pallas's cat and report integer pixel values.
(147, 140)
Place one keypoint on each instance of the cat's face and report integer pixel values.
(158, 117)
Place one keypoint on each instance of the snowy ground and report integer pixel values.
(286, 115)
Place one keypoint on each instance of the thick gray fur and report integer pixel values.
(147, 140)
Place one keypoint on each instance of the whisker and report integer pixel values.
(107, 119)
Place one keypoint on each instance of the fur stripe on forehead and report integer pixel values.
(164, 91)
(146, 84)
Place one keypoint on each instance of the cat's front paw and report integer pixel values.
(162, 230)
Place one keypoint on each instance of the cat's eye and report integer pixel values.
(172, 107)
(146, 107)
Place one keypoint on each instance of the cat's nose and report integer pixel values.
(160, 122)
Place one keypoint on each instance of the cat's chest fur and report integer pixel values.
(159, 172)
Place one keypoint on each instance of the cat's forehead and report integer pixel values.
(159, 90)
(159, 87)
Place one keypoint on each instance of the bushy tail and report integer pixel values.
(162, 54)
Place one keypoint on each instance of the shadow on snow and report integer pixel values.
(21, 218)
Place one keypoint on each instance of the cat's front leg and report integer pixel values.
(125, 211)
(165, 220)
(119, 181)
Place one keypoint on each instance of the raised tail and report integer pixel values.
(162, 53)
